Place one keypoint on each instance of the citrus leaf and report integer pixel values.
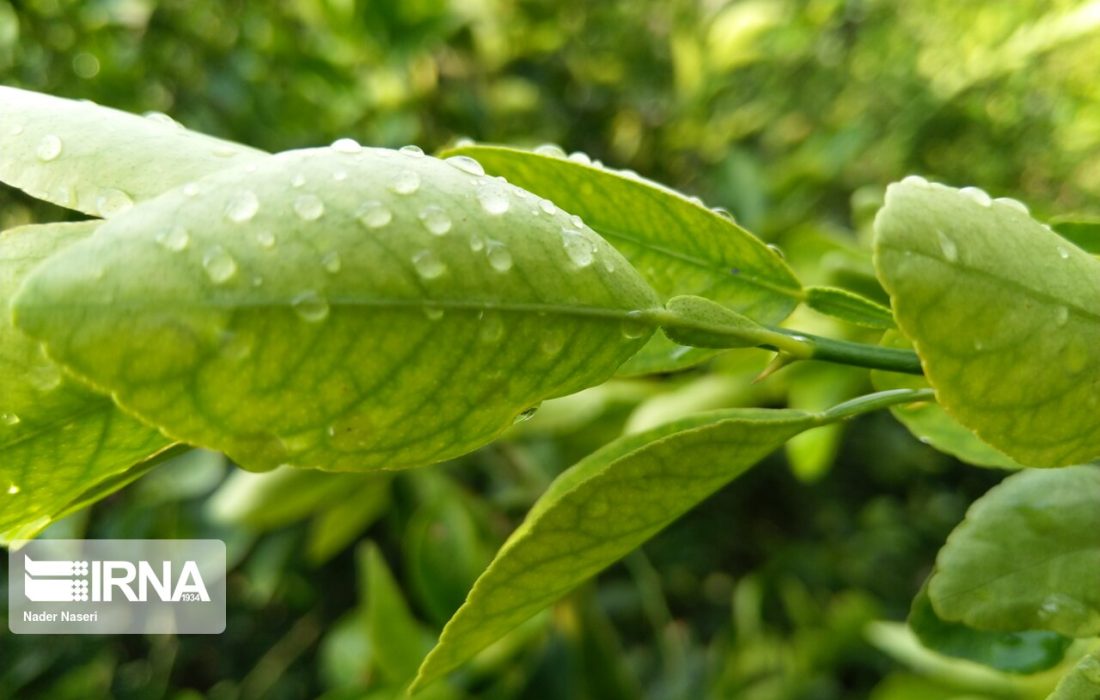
(1004, 314)
(930, 424)
(1027, 651)
(849, 306)
(399, 641)
(680, 246)
(58, 440)
(1024, 557)
(99, 160)
(599, 510)
(340, 308)
(1081, 682)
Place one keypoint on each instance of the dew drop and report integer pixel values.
(10, 419)
(374, 214)
(550, 149)
(163, 119)
(547, 206)
(434, 313)
(915, 180)
(309, 207)
(49, 148)
(525, 415)
(346, 145)
(577, 247)
(174, 239)
(298, 180)
(412, 150)
(552, 343)
(1061, 315)
(266, 239)
(499, 257)
(1011, 203)
(111, 202)
(220, 265)
(428, 265)
(576, 221)
(477, 243)
(776, 250)
(1063, 253)
(45, 377)
(310, 306)
(634, 325)
(331, 262)
(435, 220)
(492, 328)
(242, 207)
(608, 264)
(580, 157)
(493, 202)
(976, 195)
(947, 246)
(405, 182)
(190, 189)
(724, 213)
(13, 489)
(466, 164)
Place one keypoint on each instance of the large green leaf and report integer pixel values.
(1082, 683)
(58, 440)
(99, 160)
(1026, 556)
(1004, 313)
(930, 423)
(339, 308)
(608, 504)
(680, 246)
(1025, 651)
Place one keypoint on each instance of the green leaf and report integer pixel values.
(99, 160)
(1027, 651)
(1025, 557)
(607, 505)
(59, 442)
(399, 641)
(707, 324)
(338, 308)
(678, 245)
(1004, 314)
(279, 497)
(1082, 683)
(930, 423)
(339, 524)
(849, 306)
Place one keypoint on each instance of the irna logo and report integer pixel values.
(61, 581)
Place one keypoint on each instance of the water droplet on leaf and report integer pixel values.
(220, 265)
(493, 202)
(111, 202)
(10, 419)
(174, 239)
(526, 415)
(13, 489)
(298, 180)
(977, 195)
(550, 149)
(374, 214)
(412, 150)
(346, 145)
(492, 328)
(428, 265)
(434, 313)
(947, 246)
(1011, 203)
(916, 180)
(499, 257)
(547, 206)
(242, 207)
(266, 239)
(435, 220)
(634, 325)
(49, 147)
(405, 182)
(308, 207)
(310, 306)
(466, 164)
(577, 247)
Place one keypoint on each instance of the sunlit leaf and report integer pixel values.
(1025, 557)
(849, 306)
(338, 308)
(931, 424)
(99, 160)
(1005, 315)
(678, 245)
(59, 442)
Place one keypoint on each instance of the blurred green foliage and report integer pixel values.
(791, 114)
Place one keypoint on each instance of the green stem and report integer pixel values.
(844, 352)
(876, 401)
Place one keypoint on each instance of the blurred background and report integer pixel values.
(792, 115)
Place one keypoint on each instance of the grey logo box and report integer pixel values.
(116, 587)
